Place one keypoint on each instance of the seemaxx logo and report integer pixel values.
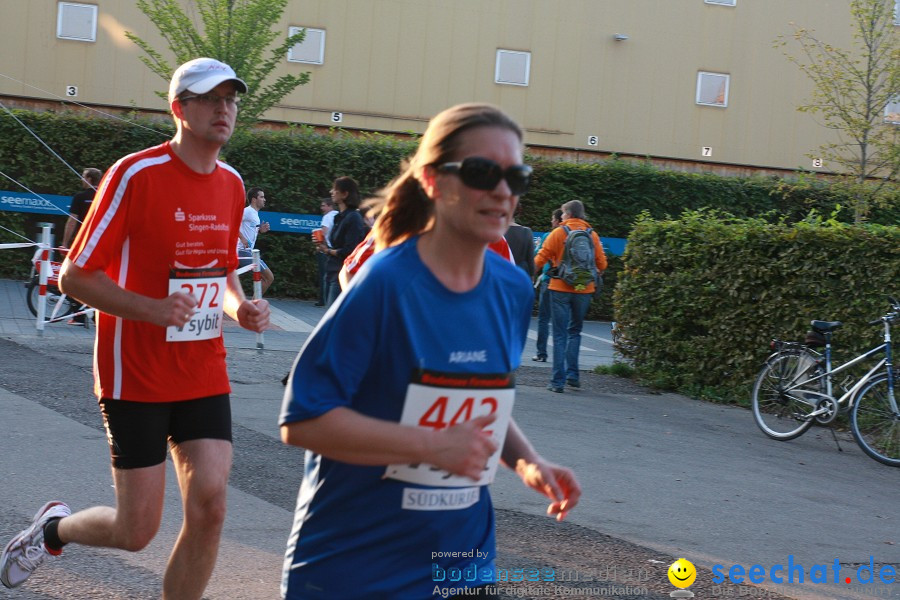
(793, 572)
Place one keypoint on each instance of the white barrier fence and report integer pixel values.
(257, 289)
(46, 268)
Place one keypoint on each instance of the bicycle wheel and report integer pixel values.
(780, 403)
(875, 426)
(53, 298)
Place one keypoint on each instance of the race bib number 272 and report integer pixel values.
(439, 400)
(207, 286)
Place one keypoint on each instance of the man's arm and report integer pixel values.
(69, 232)
(250, 314)
(600, 255)
(96, 289)
(547, 252)
(245, 243)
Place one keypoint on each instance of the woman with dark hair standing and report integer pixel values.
(403, 394)
(348, 231)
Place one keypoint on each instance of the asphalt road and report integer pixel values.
(663, 477)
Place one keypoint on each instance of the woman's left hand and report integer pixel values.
(556, 482)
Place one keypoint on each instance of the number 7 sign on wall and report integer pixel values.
(441, 400)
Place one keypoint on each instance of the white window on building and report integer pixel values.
(712, 89)
(722, 2)
(512, 67)
(76, 22)
(892, 111)
(311, 50)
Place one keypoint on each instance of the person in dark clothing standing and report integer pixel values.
(328, 215)
(568, 303)
(521, 244)
(348, 231)
(543, 328)
(81, 202)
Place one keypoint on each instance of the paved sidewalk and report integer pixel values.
(676, 476)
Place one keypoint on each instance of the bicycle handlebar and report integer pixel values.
(895, 305)
(888, 317)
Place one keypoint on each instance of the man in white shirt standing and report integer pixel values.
(328, 215)
(250, 228)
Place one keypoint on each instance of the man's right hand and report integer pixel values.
(174, 310)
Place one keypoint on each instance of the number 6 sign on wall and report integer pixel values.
(440, 400)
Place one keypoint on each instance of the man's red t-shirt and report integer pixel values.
(154, 224)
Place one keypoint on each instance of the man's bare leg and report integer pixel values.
(202, 467)
(135, 520)
(267, 277)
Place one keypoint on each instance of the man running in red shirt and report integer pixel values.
(156, 258)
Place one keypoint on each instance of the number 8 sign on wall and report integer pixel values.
(440, 400)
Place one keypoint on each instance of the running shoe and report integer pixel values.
(26, 552)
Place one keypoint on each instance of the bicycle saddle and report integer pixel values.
(825, 326)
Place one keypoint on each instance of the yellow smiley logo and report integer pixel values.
(682, 573)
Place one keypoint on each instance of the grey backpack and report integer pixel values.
(578, 266)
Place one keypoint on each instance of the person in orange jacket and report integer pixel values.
(568, 305)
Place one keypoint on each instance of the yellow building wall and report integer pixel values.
(391, 64)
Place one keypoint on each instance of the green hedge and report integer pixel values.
(297, 165)
(700, 297)
(617, 192)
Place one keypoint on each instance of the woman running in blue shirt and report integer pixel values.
(403, 394)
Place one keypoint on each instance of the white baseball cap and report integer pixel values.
(201, 75)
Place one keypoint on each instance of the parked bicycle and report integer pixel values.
(58, 305)
(797, 388)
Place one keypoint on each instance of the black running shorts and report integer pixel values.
(138, 432)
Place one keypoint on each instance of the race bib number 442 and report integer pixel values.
(207, 286)
(439, 400)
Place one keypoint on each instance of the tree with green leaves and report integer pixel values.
(237, 32)
(852, 88)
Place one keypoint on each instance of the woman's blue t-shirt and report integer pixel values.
(357, 534)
